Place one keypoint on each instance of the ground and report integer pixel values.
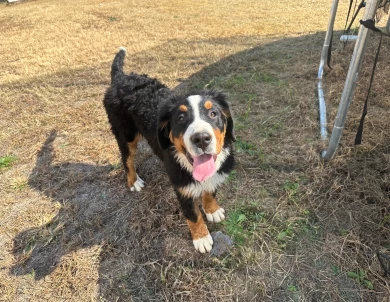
(303, 230)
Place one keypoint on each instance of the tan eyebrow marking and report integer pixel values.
(208, 105)
(183, 108)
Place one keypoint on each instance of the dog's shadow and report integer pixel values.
(95, 208)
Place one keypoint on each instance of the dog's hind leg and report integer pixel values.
(127, 143)
(133, 180)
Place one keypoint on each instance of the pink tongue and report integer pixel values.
(204, 167)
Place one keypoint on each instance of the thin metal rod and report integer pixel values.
(388, 26)
(324, 55)
(350, 82)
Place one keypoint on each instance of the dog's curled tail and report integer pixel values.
(117, 64)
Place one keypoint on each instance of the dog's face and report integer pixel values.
(198, 127)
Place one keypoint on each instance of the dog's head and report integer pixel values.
(199, 127)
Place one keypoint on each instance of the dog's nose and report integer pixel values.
(201, 140)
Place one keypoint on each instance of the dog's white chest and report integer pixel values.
(209, 185)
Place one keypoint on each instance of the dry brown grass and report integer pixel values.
(71, 231)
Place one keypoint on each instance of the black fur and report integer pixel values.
(136, 104)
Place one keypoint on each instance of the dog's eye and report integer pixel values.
(180, 118)
(212, 114)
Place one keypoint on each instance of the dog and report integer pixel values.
(192, 134)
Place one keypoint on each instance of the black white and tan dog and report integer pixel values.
(192, 135)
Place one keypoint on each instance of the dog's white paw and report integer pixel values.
(138, 185)
(203, 244)
(217, 216)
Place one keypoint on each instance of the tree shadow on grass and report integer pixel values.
(95, 210)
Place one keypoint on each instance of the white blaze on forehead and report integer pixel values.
(198, 125)
(194, 101)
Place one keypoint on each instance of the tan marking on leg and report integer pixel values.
(220, 137)
(132, 174)
(183, 108)
(209, 203)
(198, 229)
(208, 105)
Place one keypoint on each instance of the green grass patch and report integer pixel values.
(268, 78)
(7, 161)
(292, 288)
(361, 277)
(242, 223)
(271, 130)
(335, 269)
(285, 234)
(293, 292)
(300, 228)
(234, 225)
(232, 176)
(236, 80)
(291, 188)
(248, 148)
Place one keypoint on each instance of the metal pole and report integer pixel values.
(324, 55)
(350, 82)
(388, 26)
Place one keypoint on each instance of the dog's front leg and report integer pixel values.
(213, 211)
(201, 237)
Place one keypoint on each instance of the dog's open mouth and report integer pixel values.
(204, 166)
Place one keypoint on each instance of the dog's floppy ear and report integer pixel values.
(164, 127)
(220, 98)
